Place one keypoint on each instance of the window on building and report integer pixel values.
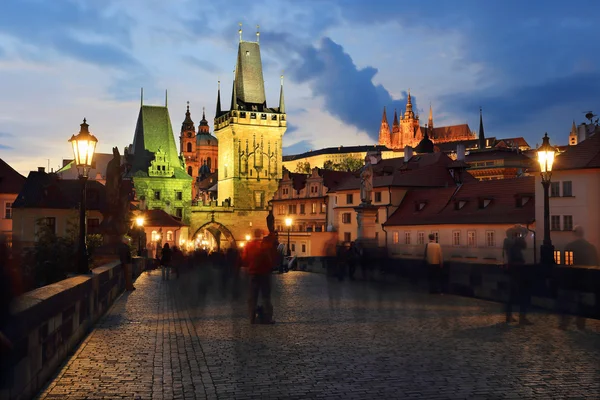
(285, 191)
(225, 171)
(169, 236)
(471, 239)
(323, 208)
(302, 209)
(456, 238)
(157, 195)
(8, 210)
(557, 257)
(179, 212)
(178, 195)
(568, 258)
(50, 224)
(567, 222)
(490, 239)
(303, 248)
(93, 226)
(293, 247)
(313, 208)
(349, 198)
(154, 236)
(555, 222)
(436, 236)
(291, 209)
(259, 199)
(396, 237)
(554, 189)
(189, 147)
(347, 237)
(346, 217)
(377, 197)
(281, 209)
(420, 237)
(567, 188)
(406, 237)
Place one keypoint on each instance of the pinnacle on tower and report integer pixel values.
(481, 133)
(281, 100)
(188, 124)
(384, 131)
(234, 105)
(430, 122)
(203, 125)
(396, 124)
(409, 111)
(218, 113)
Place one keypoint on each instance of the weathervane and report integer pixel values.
(240, 31)
(257, 33)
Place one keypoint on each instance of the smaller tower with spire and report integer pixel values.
(187, 142)
(573, 140)
(396, 139)
(384, 131)
(481, 133)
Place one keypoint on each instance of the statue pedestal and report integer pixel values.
(366, 214)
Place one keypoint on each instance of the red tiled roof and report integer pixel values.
(332, 179)
(586, 154)
(160, 218)
(440, 205)
(451, 133)
(517, 141)
(11, 182)
(496, 154)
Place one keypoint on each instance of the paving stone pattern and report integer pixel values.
(190, 339)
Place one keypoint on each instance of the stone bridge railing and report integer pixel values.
(48, 323)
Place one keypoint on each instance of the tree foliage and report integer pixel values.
(349, 164)
(303, 167)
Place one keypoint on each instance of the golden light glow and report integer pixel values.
(248, 238)
(288, 222)
(139, 221)
(84, 146)
(242, 244)
(546, 158)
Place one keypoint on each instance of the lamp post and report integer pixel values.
(84, 146)
(140, 224)
(546, 158)
(288, 223)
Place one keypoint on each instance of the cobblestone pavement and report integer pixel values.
(189, 338)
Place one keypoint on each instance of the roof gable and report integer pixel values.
(11, 182)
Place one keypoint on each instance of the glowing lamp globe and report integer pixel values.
(84, 146)
(546, 158)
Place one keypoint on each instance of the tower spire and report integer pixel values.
(481, 133)
(257, 33)
(166, 98)
(218, 113)
(142, 98)
(281, 101)
(409, 110)
(234, 105)
(240, 31)
(430, 122)
(384, 131)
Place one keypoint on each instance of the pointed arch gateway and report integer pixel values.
(221, 234)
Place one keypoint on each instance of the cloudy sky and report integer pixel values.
(531, 65)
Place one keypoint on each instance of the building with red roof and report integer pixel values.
(574, 196)
(469, 220)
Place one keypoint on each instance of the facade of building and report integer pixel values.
(159, 175)
(46, 199)
(318, 158)
(574, 196)
(200, 150)
(250, 138)
(498, 163)
(392, 179)
(11, 183)
(160, 228)
(469, 221)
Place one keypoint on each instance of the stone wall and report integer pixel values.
(48, 323)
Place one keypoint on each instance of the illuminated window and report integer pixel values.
(420, 237)
(436, 236)
(490, 239)
(169, 236)
(323, 208)
(456, 238)
(396, 237)
(557, 257)
(471, 239)
(555, 222)
(406, 237)
(154, 236)
(8, 210)
(568, 258)
(314, 208)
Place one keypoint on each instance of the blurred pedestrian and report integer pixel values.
(434, 261)
(514, 264)
(165, 261)
(125, 257)
(259, 258)
(584, 254)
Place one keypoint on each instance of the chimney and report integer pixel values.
(460, 152)
(41, 169)
(408, 153)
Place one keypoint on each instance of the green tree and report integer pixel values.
(328, 165)
(348, 163)
(303, 167)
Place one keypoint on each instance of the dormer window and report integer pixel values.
(459, 204)
(483, 203)
(419, 205)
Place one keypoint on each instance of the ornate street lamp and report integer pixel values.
(546, 159)
(288, 223)
(140, 223)
(248, 238)
(84, 146)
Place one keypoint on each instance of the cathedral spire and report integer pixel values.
(430, 122)
(573, 135)
(395, 123)
(203, 125)
(188, 124)
(234, 105)
(384, 131)
(481, 133)
(218, 113)
(409, 110)
(281, 101)
(249, 82)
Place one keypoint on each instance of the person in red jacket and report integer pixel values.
(259, 256)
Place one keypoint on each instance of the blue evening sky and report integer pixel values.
(531, 65)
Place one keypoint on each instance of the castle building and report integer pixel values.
(407, 131)
(159, 175)
(249, 156)
(199, 150)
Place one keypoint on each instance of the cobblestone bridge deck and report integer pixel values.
(187, 339)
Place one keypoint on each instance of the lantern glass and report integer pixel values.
(140, 221)
(546, 158)
(84, 147)
(288, 222)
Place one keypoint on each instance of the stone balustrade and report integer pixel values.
(48, 323)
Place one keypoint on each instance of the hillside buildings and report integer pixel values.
(11, 183)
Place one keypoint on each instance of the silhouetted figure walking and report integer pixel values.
(435, 263)
(584, 254)
(165, 261)
(512, 251)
